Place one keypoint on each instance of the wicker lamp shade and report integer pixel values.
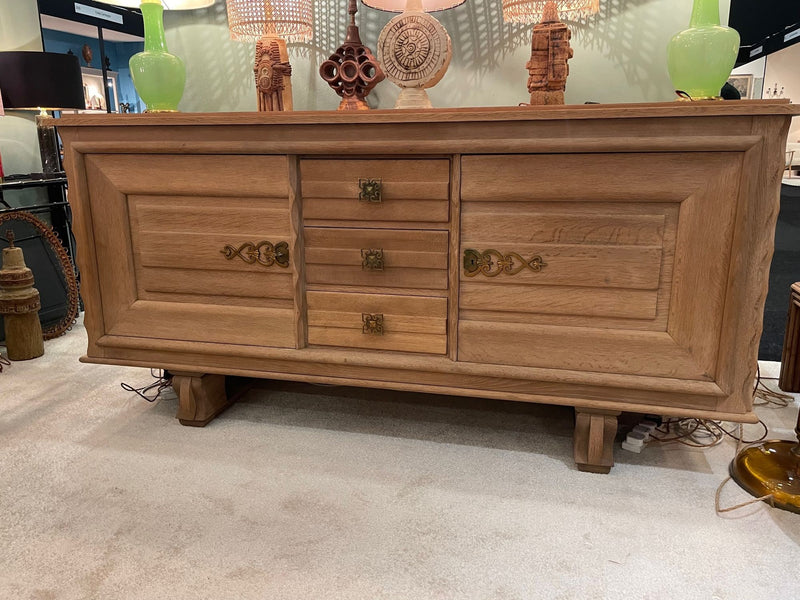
(292, 20)
(400, 5)
(167, 4)
(530, 11)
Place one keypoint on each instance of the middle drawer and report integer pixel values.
(376, 257)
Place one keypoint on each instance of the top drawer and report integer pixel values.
(376, 190)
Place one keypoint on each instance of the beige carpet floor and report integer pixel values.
(325, 493)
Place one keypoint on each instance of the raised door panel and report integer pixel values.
(577, 270)
(202, 263)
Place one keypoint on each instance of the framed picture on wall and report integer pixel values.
(743, 83)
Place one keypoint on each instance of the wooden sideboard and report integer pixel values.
(608, 257)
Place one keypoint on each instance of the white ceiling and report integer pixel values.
(85, 30)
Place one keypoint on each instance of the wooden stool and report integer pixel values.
(789, 380)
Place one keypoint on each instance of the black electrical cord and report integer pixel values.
(161, 383)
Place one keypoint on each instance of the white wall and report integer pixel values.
(19, 30)
(755, 68)
(620, 55)
(783, 68)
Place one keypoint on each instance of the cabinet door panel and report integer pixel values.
(634, 255)
(199, 264)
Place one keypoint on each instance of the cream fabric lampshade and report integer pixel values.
(530, 11)
(400, 5)
(167, 4)
(248, 20)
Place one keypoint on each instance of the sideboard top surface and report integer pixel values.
(741, 108)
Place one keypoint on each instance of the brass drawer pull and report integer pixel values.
(370, 190)
(264, 253)
(372, 324)
(372, 259)
(477, 262)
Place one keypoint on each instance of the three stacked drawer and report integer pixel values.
(376, 253)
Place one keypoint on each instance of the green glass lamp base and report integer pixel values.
(770, 468)
(158, 76)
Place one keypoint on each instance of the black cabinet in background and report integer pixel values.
(785, 271)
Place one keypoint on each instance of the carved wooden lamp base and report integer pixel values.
(273, 74)
(539, 98)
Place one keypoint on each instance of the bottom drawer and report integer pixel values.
(378, 321)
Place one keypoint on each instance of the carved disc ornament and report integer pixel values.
(414, 50)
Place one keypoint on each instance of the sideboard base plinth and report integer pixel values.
(201, 397)
(594, 440)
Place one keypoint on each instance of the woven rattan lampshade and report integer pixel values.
(168, 4)
(530, 11)
(400, 5)
(292, 20)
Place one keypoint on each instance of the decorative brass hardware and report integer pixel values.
(370, 190)
(477, 262)
(264, 253)
(372, 324)
(372, 259)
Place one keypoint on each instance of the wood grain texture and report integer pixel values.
(657, 218)
(201, 397)
(455, 257)
(758, 204)
(297, 250)
(416, 259)
(448, 115)
(410, 323)
(594, 439)
(182, 175)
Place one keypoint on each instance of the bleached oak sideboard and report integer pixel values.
(608, 257)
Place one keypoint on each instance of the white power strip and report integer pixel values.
(638, 437)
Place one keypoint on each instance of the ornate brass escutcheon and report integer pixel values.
(492, 262)
(264, 253)
(372, 259)
(370, 190)
(372, 324)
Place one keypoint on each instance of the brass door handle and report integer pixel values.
(372, 259)
(264, 253)
(492, 263)
(370, 190)
(372, 324)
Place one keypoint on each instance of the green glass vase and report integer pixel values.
(159, 77)
(701, 58)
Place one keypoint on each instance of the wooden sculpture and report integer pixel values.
(550, 51)
(273, 74)
(19, 305)
(352, 71)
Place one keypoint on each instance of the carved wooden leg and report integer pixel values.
(201, 397)
(595, 431)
